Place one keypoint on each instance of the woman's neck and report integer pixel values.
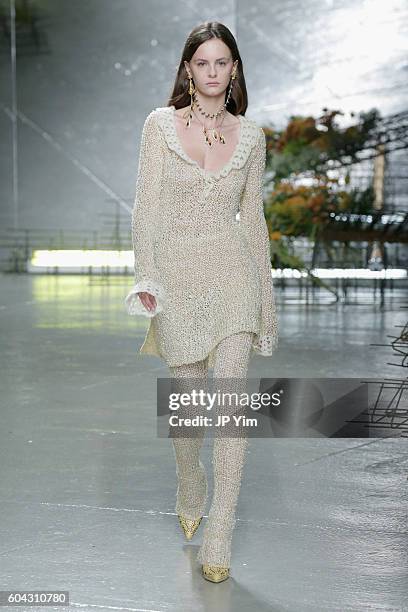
(211, 104)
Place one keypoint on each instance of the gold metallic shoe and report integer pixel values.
(189, 526)
(215, 573)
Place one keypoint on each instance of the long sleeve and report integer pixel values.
(144, 220)
(252, 220)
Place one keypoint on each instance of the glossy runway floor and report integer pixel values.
(88, 490)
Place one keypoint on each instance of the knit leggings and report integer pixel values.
(230, 371)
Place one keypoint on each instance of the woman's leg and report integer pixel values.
(231, 362)
(192, 491)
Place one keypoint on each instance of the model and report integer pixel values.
(202, 276)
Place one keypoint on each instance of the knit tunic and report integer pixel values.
(209, 271)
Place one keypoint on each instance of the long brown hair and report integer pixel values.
(180, 97)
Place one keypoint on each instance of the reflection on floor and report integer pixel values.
(88, 490)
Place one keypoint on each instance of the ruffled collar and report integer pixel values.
(247, 139)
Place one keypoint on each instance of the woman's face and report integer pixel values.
(212, 62)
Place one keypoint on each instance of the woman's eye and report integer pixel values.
(202, 63)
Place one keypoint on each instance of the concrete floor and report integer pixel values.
(88, 490)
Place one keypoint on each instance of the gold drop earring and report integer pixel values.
(219, 136)
(189, 112)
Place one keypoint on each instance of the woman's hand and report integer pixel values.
(148, 300)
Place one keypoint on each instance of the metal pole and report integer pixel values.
(14, 111)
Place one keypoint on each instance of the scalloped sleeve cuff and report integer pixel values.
(265, 344)
(134, 304)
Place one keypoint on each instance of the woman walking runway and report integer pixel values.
(202, 276)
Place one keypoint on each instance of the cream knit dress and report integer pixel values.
(209, 271)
